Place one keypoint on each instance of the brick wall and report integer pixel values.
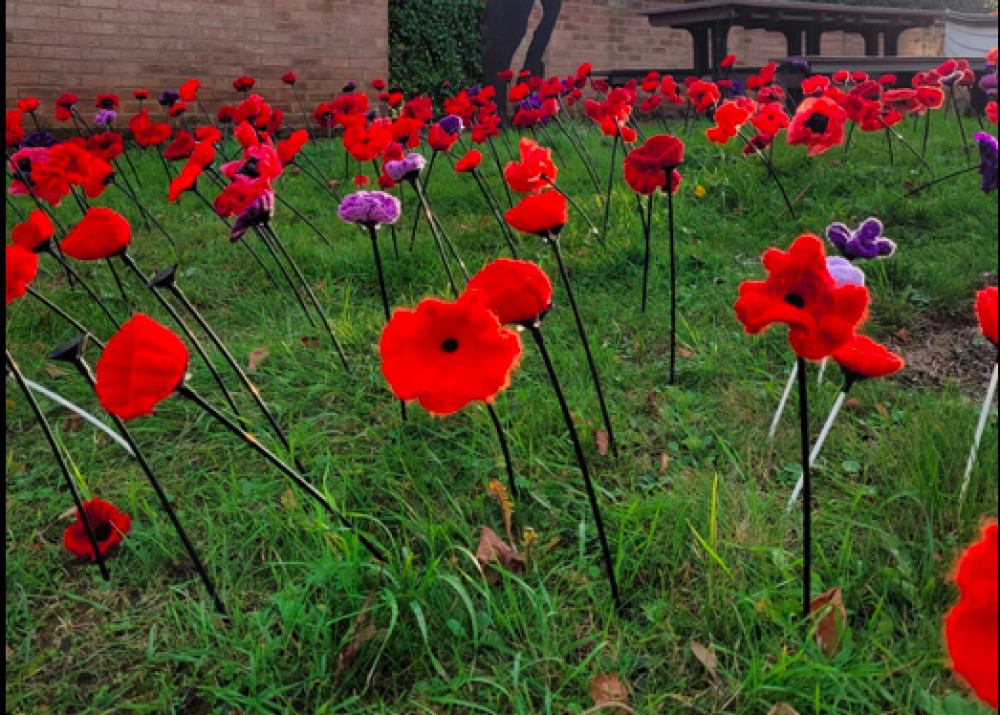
(609, 34)
(93, 46)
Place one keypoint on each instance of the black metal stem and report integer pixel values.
(118, 283)
(300, 481)
(508, 462)
(84, 369)
(581, 461)
(86, 287)
(265, 239)
(61, 461)
(770, 170)
(495, 211)
(437, 239)
(554, 242)
(806, 490)
(304, 220)
(611, 176)
(496, 160)
(673, 282)
(373, 233)
(647, 227)
(575, 205)
(938, 180)
(64, 315)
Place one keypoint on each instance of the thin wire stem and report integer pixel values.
(508, 462)
(806, 489)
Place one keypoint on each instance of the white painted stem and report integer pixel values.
(35, 387)
(980, 428)
(822, 369)
(784, 401)
(814, 455)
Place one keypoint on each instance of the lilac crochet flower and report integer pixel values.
(865, 241)
(370, 208)
(261, 211)
(39, 140)
(844, 272)
(987, 161)
(452, 124)
(350, 87)
(105, 117)
(988, 83)
(409, 167)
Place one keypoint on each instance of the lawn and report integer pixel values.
(707, 559)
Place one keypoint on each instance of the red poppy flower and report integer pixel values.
(101, 233)
(506, 75)
(758, 142)
(517, 291)
(185, 181)
(27, 105)
(703, 95)
(189, 90)
(902, 100)
(440, 140)
(106, 145)
(446, 355)
(367, 144)
(246, 135)
(244, 83)
(180, 148)
(238, 196)
(106, 101)
(21, 267)
(817, 84)
(771, 94)
(177, 109)
(110, 526)
(862, 358)
(991, 112)
(729, 117)
(800, 292)
(818, 123)
(15, 129)
(147, 133)
(991, 57)
(378, 85)
(650, 103)
(970, 628)
(859, 77)
(142, 364)
(73, 158)
(34, 232)
(469, 162)
(100, 176)
(770, 119)
(226, 115)
(518, 92)
(385, 182)
(141, 94)
(541, 214)
(986, 311)
(728, 61)
(646, 167)
(930, 97)
(50, 182)
(534, 172)
(289, 78)
(841, 76)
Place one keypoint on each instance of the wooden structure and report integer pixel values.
(709, 24)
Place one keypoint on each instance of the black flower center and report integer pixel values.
(103, 531)
(796, 300)
(817, 123)
(450, 345)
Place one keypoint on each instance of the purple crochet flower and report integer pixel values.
(105, 117)
(844, 272)
(261, 211)
(409, 167)
(168, 98)
(987, 162)
(39, 140)
(350, 87)
(864, 242)
(452, 124)
(988, 83)
(370, 208)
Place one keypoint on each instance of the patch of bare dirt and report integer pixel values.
(945, 350)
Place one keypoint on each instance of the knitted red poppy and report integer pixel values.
(970, 628)
(445, 355)
(517, 291)
(21, 267)
(110, 527)
(862, 357)
(34, 232)
(542, 214)
(106, 145)
(142, 364)
(645, 168)
(101, 233)
(986, 311)
(469, 162)
(818, 123)
(189, 90)
(526, 176)
(180, 148)
(800, 292)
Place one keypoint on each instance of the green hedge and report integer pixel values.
(435, 41)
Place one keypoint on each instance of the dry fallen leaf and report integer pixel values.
(831, 605)
(852, 404)
(881, 409)
(903, 335)
(54, 371)
(256, 358)
(782, 709)
(72, 423)
(685, 352)
(706, 656)
(493, 550)
(288, 499)
(601, 438)
(364, 631)
(664, 462)
(308, 341)
(608, 689)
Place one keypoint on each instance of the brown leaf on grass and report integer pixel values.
(334, 183)
(256, 358)
(829, 608)
(364, 632)
(308, 341)
(493, 550)
(706, 656)
(685, 352)
(54, 371)
(782, 709)
(882, 410)
(608, 689)
(852, 404)
(320, 287)
(288, 499)
(72, 423)
(601, 438)
(68, 514)
(903, 335)
(664, 462)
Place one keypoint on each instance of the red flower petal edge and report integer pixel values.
(109, 524)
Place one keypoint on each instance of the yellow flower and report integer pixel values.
(699, 191)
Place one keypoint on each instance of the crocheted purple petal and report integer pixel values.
(886, 247)
(844, 272)
(838, 234)
(869, 230)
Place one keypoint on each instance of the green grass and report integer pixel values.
(695, 505)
